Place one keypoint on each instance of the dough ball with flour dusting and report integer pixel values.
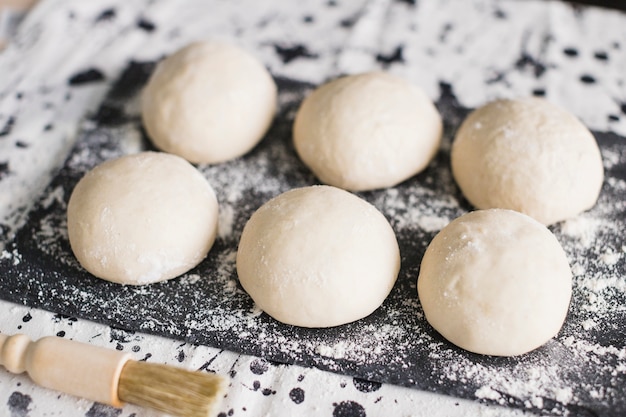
(318, 256)
(209, 102)
(367, 131)
(530, 156)
(495, 282)
(142, 218)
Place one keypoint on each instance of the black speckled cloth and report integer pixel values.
(463, 53)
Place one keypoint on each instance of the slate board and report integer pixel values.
(578, 373)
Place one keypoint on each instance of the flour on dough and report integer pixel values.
(318, 256)
(142, 218)
(209, 102)
(367, 131)
(495, 282)
(530, 156)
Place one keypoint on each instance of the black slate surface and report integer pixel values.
(394, 344)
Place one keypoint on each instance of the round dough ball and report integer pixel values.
(318, 257)
(367, 131)
(142, 218)
(209, 102)
(495, 282)
(530, 156)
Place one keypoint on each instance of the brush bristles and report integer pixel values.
(172, 390)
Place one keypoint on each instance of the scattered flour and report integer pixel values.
(13, 255)
(610, 258)
(583, 228)
(487, 393)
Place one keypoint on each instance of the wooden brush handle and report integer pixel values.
(75, 368)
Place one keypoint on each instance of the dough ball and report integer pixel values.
(367, 131)
(209, 102)
(495, 282)
(318, 257)
(142, 218)
(530, 156)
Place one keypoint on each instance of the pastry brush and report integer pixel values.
(111, 377)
